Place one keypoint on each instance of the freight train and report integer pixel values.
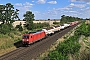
(32, 37)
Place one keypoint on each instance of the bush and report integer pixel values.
(11, 35)
(18, 39)
(40, 25)
(5, 28)
(56, 22)
(19, 27)
(83, 30)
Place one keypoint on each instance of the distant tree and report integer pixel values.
(62, 19)
(19, 19)
(48, 19)
(63, 16)
(29, 18)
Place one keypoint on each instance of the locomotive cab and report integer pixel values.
(27, 38)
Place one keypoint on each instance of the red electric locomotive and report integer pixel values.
(32, 37)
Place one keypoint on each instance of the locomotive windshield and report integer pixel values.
(25, 37)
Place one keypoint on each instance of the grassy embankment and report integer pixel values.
(7, 41)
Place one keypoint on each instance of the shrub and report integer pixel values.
(56, 22)
(19, 27)
(5, 28)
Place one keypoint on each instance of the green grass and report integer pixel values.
(6, 43)
(8, 40)
(3, 36)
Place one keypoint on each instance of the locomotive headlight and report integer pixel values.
(27, 40)
(22, 39)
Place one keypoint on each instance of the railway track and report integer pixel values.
(28, 53)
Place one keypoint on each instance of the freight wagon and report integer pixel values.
(48, 31)
(56, 28)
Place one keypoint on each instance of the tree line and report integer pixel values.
(66, 19)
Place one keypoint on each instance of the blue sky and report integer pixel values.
(52, 9)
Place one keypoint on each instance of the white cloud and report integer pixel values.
(88, 3)
(41, 1)
(1, 4)
(84, 13)
(27, 5)
(80, 0)
(72, 5)
(73, 11)
(52, 12)
(52, 2)
(18, 4)
(22, 11)
(37, 14)
(64, 8)
(32, 0)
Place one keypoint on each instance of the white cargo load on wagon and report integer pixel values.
(62, 27)
(48, 31)
(66, 25)
(51, 30)
(55, 29)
